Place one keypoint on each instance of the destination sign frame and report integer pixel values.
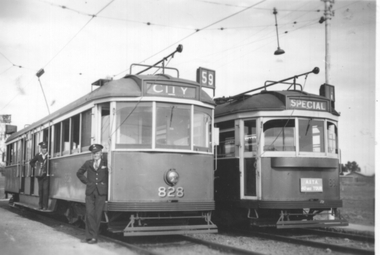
(308, 104)
(169, 90)
(310, 185)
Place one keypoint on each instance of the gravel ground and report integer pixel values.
(21, 235)
(262, 245)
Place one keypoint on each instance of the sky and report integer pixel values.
(77, 42)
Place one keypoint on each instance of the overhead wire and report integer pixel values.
(257, 8)
(207, 26)
(92, 17)
(170, 26)
(6, 70)
(80, 30)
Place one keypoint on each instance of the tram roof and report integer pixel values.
(128, 86)
(264, 101)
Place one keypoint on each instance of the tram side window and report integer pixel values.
(134, 125)
(226, 146)
(250, 138)
(66, 137)
(57, 139)
(36, 137)
(105, 126)
(173, 126)
(10, 154)
(45, 135)
(311, 135)
(20, 148)
(75, 132)
(202, 129)
(279, 135)
(332, 138)
(86, 129)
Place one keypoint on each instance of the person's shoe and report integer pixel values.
(92, 241)
(84, 240)
(44, 209)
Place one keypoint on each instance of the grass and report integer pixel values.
(358, 202)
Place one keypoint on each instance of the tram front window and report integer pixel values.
(173, 126)
(134, 125)
(332, 138)
(311, 135)
(202, 129)
(279, 135)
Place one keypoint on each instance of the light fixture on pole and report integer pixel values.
(39, 74)
(279, 51)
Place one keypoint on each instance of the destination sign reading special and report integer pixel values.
(307, 104)
(169, 90)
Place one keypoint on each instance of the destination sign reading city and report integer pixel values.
(169, 90)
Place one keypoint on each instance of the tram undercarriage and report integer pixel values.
(299, 218)
(273, 215)
(140, 223)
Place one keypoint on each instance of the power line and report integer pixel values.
(6, 58)
(216, 22)
(6, 70)
(265, 9)
(80, 30)
(92, 16)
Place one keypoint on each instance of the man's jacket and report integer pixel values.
(95, 179)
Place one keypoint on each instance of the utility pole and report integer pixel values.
(326, 18)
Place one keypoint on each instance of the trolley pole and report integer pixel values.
(327, 18)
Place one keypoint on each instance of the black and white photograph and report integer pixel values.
(188, 127)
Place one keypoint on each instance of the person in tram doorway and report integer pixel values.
(96, 191)
(39, 163)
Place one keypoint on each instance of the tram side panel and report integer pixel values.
(12, 181)
(64, 183)
(227, 180)
(281, 181)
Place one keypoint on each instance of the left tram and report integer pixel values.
(157, 135)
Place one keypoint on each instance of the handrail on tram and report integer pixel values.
(178, 49)
(149, 67)
(315, 71)
(291, 85)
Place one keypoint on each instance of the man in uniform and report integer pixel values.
(96, 191)
(43, 180)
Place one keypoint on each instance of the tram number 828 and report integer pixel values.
(171, 192)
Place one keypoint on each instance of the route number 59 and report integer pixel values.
(206, 77)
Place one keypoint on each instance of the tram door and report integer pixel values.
(25, 175)
(248, 153)
(33, 178)
(20, 163)
(104, 110)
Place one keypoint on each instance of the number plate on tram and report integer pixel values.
(311, 185)
(171, 192)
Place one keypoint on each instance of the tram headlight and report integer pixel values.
(171, 177)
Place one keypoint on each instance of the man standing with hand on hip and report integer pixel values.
(96, 191)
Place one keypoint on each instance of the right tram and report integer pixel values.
(278, 158)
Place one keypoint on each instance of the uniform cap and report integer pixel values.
(95, 148)
(43, 144)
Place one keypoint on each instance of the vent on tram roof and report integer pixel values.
(100, 82)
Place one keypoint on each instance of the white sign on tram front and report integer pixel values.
(154, 89)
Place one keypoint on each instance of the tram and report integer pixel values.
(157, 133)
(278, 157)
